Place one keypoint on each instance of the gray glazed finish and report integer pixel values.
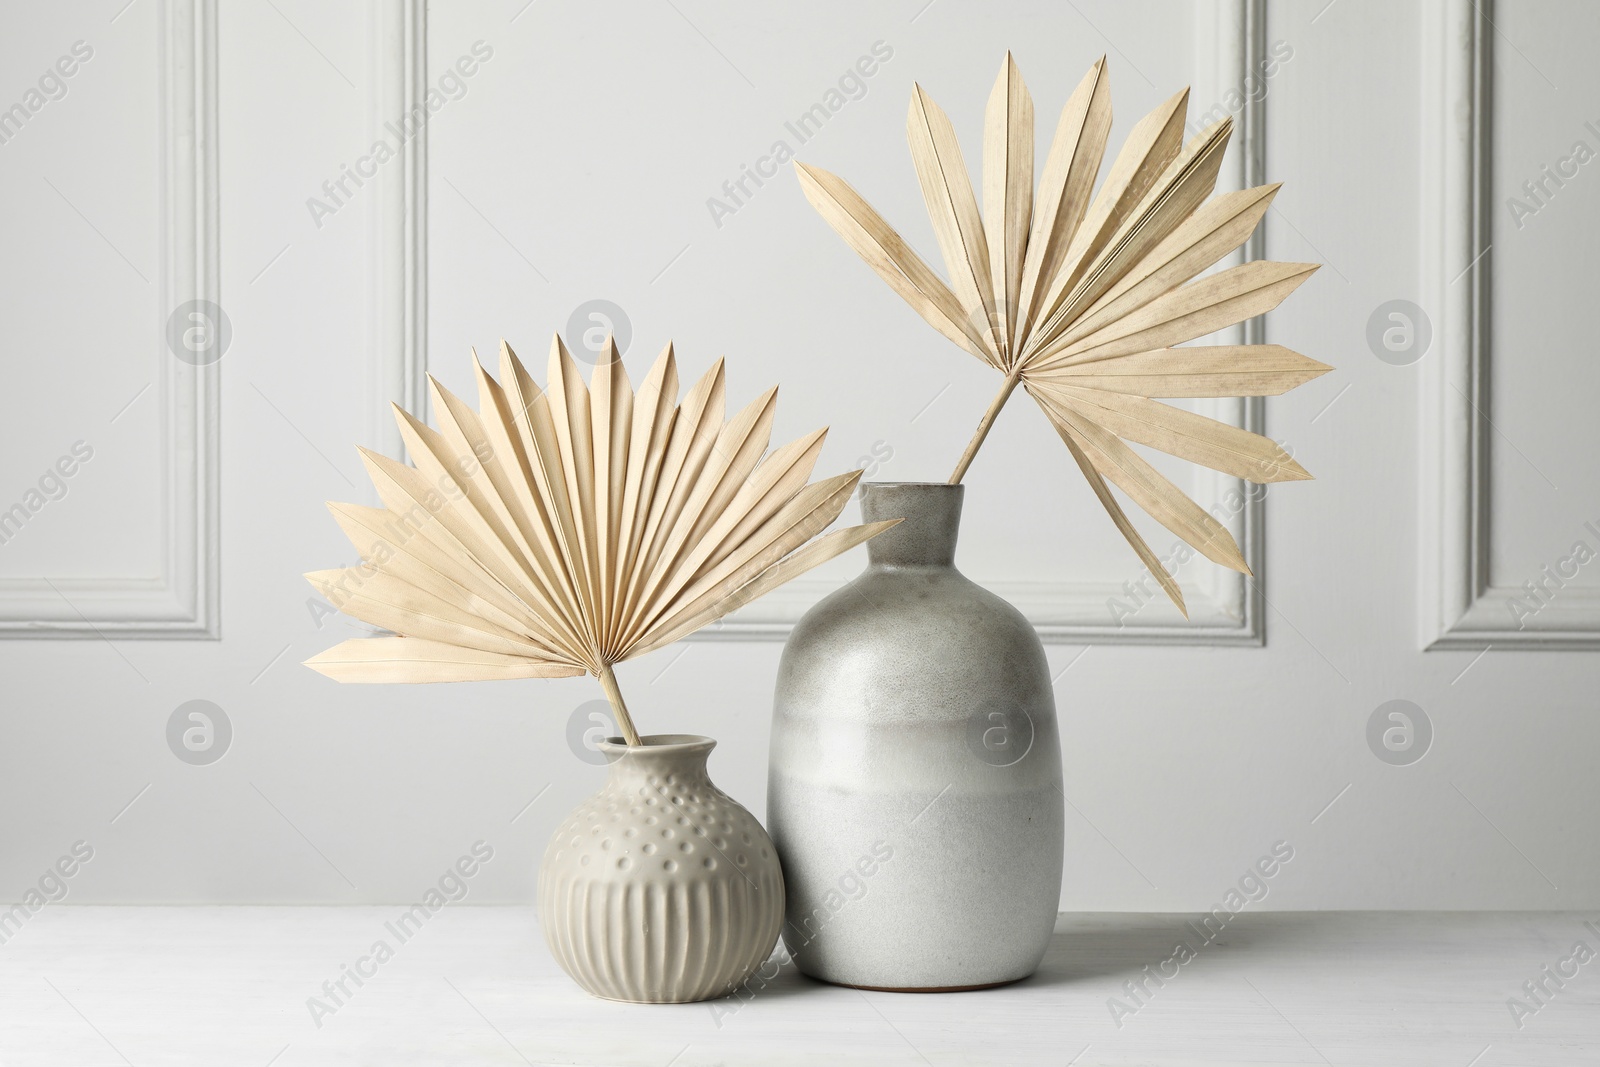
(897, 697)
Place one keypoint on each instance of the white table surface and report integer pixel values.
(219, 985)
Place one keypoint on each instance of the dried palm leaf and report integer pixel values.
(560, 531)
(1082, 299)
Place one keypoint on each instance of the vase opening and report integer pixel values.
(673, 751)
(931, 520)
(660, 742)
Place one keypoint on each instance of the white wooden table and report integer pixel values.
(186, 985)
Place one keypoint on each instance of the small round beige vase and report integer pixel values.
(660, 888)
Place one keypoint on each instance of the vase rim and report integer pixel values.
(930, 518)
(662, 744)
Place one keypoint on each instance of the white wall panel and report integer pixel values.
(108, 509)
(619, 195)
(1510, 484)
(574, 164)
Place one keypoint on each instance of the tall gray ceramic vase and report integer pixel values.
(914, 792)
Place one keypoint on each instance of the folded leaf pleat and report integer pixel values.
(1081, 295)
(560, 530)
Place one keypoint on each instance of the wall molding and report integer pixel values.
(397, 222)
(1460, 606)
(1224, 607)
(183, 601)
(1231, 47)
(1057, 610)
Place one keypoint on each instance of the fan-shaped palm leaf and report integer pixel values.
(1081, 300)
(560, 531)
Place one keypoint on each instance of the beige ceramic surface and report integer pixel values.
(660, 888)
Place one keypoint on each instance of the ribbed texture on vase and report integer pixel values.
(657, 942)
(660, 888)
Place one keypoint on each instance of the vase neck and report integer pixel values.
(930, 514)
(661, 760)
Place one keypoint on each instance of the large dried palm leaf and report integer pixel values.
(559, 531)
(1081, 298)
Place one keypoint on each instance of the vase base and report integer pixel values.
(663, 1000)
(925, 988)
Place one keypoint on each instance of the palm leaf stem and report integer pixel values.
(999, 401)
(608, 682)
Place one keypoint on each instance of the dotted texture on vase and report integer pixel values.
(660, 888)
